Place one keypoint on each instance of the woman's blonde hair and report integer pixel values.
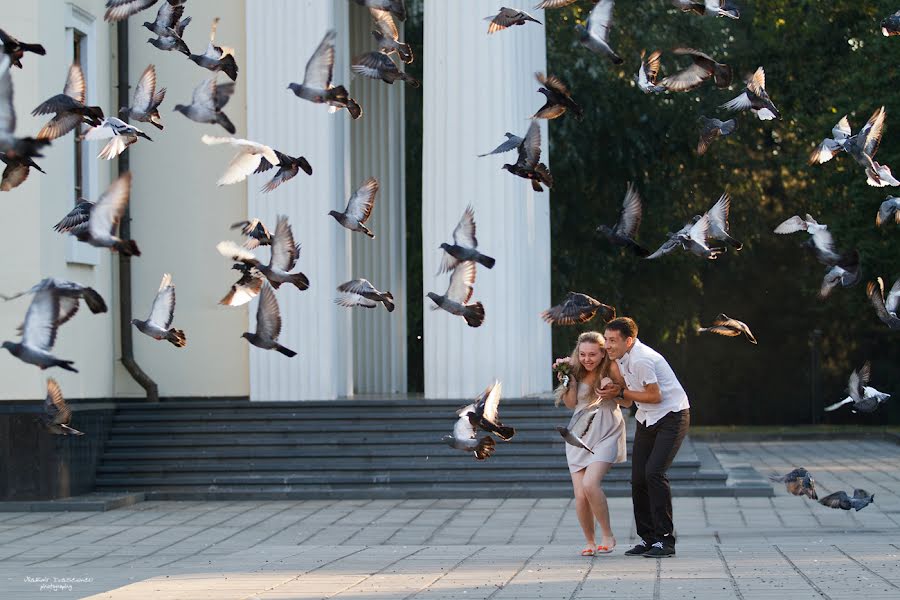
(579, 372)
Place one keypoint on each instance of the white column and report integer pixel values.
(476, 87)
(281, 36)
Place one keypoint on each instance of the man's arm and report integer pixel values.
(650, 395)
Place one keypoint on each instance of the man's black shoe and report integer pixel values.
(638, 550)
(658, 550)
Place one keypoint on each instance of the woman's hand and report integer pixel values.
(609, 392)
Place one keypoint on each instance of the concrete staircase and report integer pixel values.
(372, 448)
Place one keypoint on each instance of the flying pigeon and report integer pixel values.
(248, 159)
(288, 167)
(69, 294)
(119, 133)
(594, 35)
(13, 148)
(117, 10)
(559, 99)
(167, 18)
(96, 224)
(207, 102)
(16, 171)
(578, 426)
(459, 292)
(577, 308)
(359, 208)
(162, 313)
(861, 147)
(284, 257)
(512, 142)
(464, 246)
(712, 8)
(387, 35)
(464, 437)
(545, 4)
(719, 229)
(889, 209)
(626, 228)
(69, 108)
(823, 242)
(268, 324)
(377, 65)
(256, 232)
(862, 398)
(359, 292)
(57, 415)
(691, 238)
(891, 25)
(888, 310)
(798, 483)
(317, 86)
(39, 332)
(711, 130)
(845, 272)
(755, 98)
(244, 289)
(724, 325)
(16, 49)
(395, 7)
(508, 17)
(217, 58)
(169, 28)
(648, 73)
(145, 104)
(702, 68)
(528, 166)
(860, 500)
(485, 415)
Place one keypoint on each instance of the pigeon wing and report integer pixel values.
(384, 22)
(229, 249)
(204, 94)
(40, 326)
(285, 251)
(358, 286)
(892, 302)
(162, 313)
(512, 142)
(349, 300)
(77, 216)
(718, 214)
(857, 382)
(491, 400)
(530, 149)
(600, 20)
(360, 205)
(687, 79)
(462, 283)
(75, 86)
(581, 422)
(792, 225)
(55, 405)
(464, 232)
(700, 230)
(630, 217)
(108, 210)
(668, 246)
(320, 65)
(870, 136)
(836, 500)
(757, 83)
(875, 291)
(7, 110)
(268, 317)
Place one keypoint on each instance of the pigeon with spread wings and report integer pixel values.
(594, 35)
(248, 159)
(628, 224)
(486, 416)
(16, 49)
(559, 99)
(388, 36)
(711, 130)
(158, 324)
(701, 69)
(464, 246)
(39, 332)
(317, 86)
(508, 17)
(145, 103)
(119, 133)
(217, 58)
(577, 308)
(459, 292)
(57, 415)
(207, 102)
(862, 147)
(861, 397)
(359, 208)
(755, 98)
(97, 223)
(578, 426)
(887, 309)
(288, 167)
(859, 500)
(285, 254)
(528, 165)
(360, 292)
(68, 108)
(725, 325)
(798, 483)
(464, 436)
(268, 324)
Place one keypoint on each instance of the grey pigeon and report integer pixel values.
(889, 209)
(169, 28)
(702, 68)
(862, 147)
(317, 86)
(724, 325)
(359, 208)
(207, 102)
(755, 98)
(648, 73)
(559, 99)
(719, 229)
(712, 8)
(395, 7)
(97, 224)
(508, 17)
(217, 58)
(284, 257)
(16, 49)
(860, 500)
(845, 272)
(39, 332)
(712, 129)
(145, 103)
(512, 142)
(268, 324)
(547, 4)
(117, 10)
(464, 437)
(257, 233)
(485, 413)
(594, 35)
(16, 171)
(861, 397)
(577, 308)
(68, 294)
(377, 65)
(13, 148)
(891, 25)
(628, 224)
(690, 238)
(578, 426)
(288, 167)
(57, 415)
(69, 108)
(120, 134)
(159, 324)
(360, 292)
(528, 165)
(244, 289)
(456, 299)
(887, 309)
(167, 17)
(464, 246)
(798, 483)
(388, 36)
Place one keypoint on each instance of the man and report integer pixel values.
(663, 417)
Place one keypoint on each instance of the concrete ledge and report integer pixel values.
(94, 502)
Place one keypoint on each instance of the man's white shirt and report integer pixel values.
(642, 366)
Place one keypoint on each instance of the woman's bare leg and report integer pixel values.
(596, 497)
(583, 509)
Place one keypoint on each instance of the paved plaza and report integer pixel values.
(746, 548)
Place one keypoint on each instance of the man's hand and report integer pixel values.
(609, 392)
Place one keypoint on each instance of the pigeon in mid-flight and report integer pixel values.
(16, 49)
(117, 10)
(378, 65)
(887, 309)
(577, 308)
(244, 289)
(559, 99)
(169, 28)
(360, 292)
(207, 102)
(861, 147)
(889, 209)
(891, 25)
(861, 397)
(158, 324)
(845, 272)
(388, 36)
(702, 68)
(284, 257)
(712, 8)
(691, 238)
(594, 35)
(395, 7)
(823, 242)
(69, 107)
(646, 78)
(57, 415)
(359, 208)
(317, 86)
(578, 426)
(248, 159)
(217, 58)
(268, 324)
(859, 500)
(528, 165)
(288, 167)
(119, 133)
(145, 103)
(508, 17)
(719, 228)
(628, 224)
(485, 415)
(464, 246)
(464, 436)
(512, 142)
(12, 147)
(16, 171)
(39, 332)
(256, 232)
(69, 295)
(798, 483)
(459, 292)
(711, 130)
(724, 325)
(755, 98)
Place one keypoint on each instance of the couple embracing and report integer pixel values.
(608, 371)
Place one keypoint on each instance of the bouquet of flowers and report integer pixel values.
(563, 368)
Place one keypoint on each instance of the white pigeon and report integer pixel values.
(248, 158)
(863, 398)
(119, 133)
(821, 237)
(594, 35)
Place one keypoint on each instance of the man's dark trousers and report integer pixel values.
(654, 450)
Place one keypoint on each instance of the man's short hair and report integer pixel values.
(624, 325)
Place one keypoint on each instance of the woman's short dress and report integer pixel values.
(606, 435)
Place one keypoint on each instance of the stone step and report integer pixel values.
(438, 427)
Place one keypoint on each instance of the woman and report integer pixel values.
(592, 369)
